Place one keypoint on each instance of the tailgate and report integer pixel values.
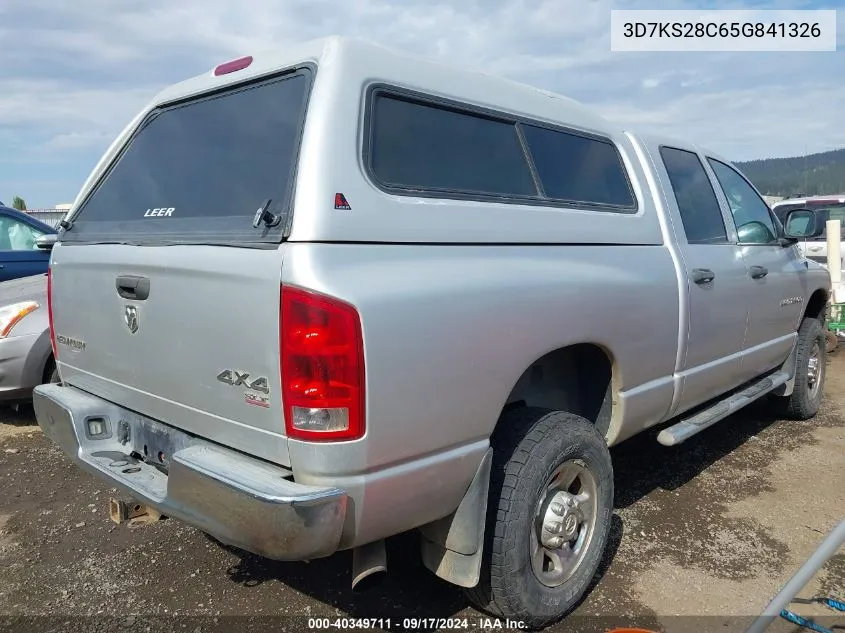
(166, 282)
(200, 352)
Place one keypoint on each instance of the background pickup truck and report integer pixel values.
(826, 208)
(316, 298)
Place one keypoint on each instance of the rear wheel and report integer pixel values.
(51, 372)
(810, 370)
(549, 511)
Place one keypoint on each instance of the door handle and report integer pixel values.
(133, 287)
(758, 272)
(703, 275)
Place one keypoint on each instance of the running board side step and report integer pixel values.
(685, 429)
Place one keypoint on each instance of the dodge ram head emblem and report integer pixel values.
(130, 317)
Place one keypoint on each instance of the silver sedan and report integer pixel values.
(26, 357)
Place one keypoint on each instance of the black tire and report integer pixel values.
(529, 445)
(51, 372)
(806, 398)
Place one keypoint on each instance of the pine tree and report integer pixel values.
(814, 174)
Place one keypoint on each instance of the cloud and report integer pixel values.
(74, 73)
(739, 124)
(75, 140)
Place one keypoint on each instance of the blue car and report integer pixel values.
(19, 254)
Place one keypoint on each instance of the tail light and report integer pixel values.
(322, 364)
(50, 312)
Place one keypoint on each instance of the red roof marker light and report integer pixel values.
(232, 66)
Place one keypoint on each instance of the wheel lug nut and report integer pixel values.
(555, 527)
(555, 541)
(558, 509)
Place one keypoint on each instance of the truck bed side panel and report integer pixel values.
(448, 330)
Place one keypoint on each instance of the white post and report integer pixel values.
(834, 258)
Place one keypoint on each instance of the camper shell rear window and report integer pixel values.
(197, 171)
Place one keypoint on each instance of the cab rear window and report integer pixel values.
(199, 171)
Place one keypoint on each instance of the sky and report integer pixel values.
(73, 74)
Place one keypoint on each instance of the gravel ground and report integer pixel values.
(703, 536)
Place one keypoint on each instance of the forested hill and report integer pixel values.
(815, 174)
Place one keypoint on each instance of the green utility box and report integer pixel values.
(836, 317)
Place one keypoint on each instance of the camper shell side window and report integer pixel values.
(420, 145)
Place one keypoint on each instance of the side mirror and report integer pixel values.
(46, 242)
(802, 224)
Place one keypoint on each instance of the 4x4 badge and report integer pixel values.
(237, 378)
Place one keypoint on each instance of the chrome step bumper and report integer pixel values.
(239, 500)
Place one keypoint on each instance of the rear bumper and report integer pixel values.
(239, 500)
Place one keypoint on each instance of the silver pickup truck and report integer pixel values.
(315, 298)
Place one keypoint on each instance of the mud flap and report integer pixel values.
(788, 366)
(452, 547)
